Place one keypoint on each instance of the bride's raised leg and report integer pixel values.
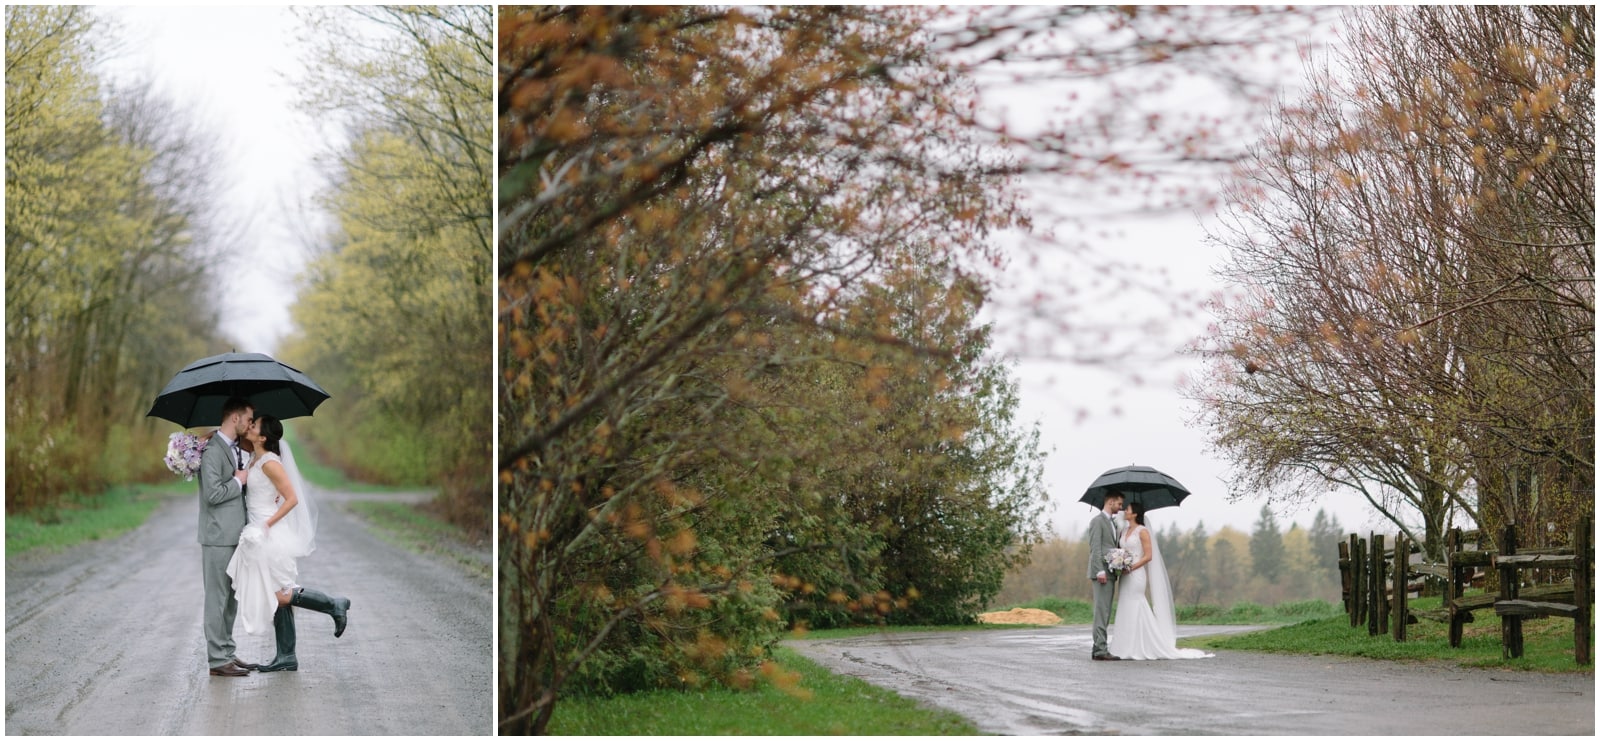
(334, 607)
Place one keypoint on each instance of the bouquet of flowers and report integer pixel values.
(183, 454)
(1119, 559)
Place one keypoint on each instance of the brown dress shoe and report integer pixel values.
(230, 669)
(245, 665)
(1108, 657)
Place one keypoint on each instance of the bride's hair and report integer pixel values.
(272, 430)
(1135, 509)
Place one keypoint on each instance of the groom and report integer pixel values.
(1102, 538)
(222, 516)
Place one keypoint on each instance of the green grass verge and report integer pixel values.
(1547, 643)
(1249, 613)
(415, 529)
(1080, 612)
(84, 518)
(809, 700)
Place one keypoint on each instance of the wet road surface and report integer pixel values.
(1040, 681)
(105, 638)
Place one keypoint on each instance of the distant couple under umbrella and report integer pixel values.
(1146, 625)
(257, 517)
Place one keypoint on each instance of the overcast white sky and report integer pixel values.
(1096, 418)
(233, 68)
(1125, 423)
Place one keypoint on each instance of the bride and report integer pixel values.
(1146, 626)
(281, 528)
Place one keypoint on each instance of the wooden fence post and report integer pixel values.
(1402, 582)
(1380, 577)
(1452, 586)
(1344, 577)
(1374, 583)
(1358, 584)
(1510, 625)
(1582, 589)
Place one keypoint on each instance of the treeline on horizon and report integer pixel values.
(1267, 566)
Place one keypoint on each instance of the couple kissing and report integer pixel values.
(257, 520)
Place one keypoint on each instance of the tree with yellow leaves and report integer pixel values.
(391, 313)
(108, 242)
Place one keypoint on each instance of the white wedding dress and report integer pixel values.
(266, 560)
(1146, 626)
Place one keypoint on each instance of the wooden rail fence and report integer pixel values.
(1377, 583)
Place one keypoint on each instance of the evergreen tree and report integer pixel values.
(1175, 552)
(1301, 568)
(1197, 558)
(1325, 536)
(1266, 547)
(1225, 576)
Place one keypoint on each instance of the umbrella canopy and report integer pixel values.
(1142, 484)
(195, 396)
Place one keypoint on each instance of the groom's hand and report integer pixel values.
(1100, 577)
(241, 474)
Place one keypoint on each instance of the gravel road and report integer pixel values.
(1041, 682)
(105, 638)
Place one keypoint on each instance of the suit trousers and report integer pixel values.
(221, 606)
(1103, 595)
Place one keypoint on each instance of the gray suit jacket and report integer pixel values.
(1102, 538)
(222, 513)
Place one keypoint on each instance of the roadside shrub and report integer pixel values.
(465, 500)
(45, 464)
(133, 453)
(374, 450)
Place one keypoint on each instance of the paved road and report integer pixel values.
(1041, 682)
(105, 638)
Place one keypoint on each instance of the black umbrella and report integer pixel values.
(195, 396)
(1141, 484)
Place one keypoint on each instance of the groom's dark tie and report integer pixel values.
(238, 459)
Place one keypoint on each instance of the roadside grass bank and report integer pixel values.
(417, 529)
(798, 698)
(82, 518)
(1547, 642)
